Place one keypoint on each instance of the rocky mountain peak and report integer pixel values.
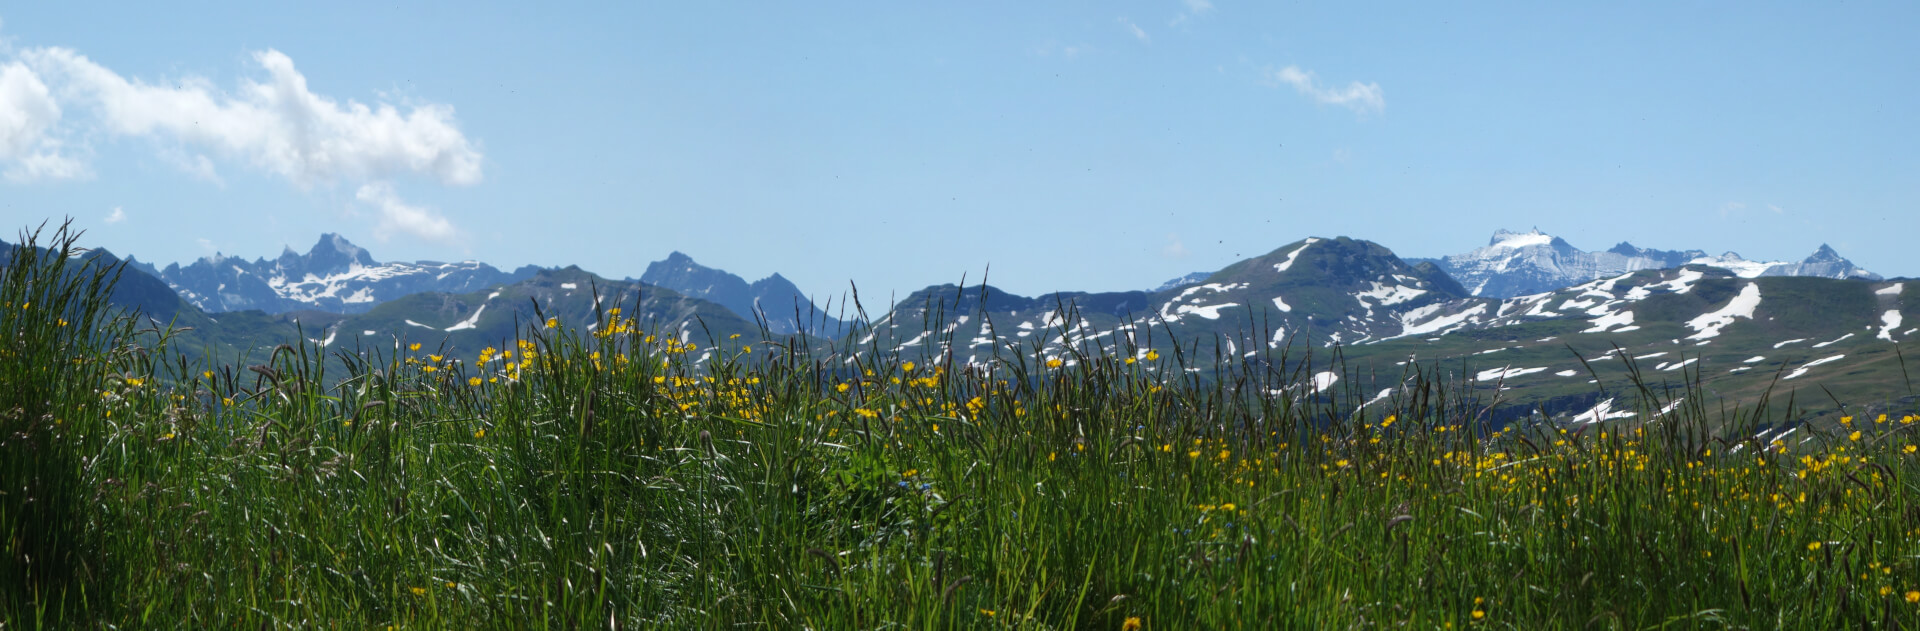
(774, 295)
(334, 254)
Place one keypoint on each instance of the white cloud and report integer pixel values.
(278, 125)
(28, 114)
(206, 244)
(1174, 248)
(117, 215)
(397, 215)
(275, 124)
(1138, 33)
(1776, 209)
(194, 164)
(27, 111)
(1731, 207)
(49, 165)
(1359, 97)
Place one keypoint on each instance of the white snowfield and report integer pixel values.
(1515, 241)
(1383, 295)
(1680, 284)
(1285, 265)
(1888, 322)
(1173, 310)
(1740, 267)
(1602, 323)
(355, 280)
(1802, 370)
(1709, 324)
(1833, 341)
(1506, 373)
(1602, 412)
(472, 321)
(1324, 380)
(1670, 367)
(1413, 326)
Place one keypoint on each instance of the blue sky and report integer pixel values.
(1069, 145)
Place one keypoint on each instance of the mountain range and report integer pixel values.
(1525, 263)
(1734, 329)
(334, 276)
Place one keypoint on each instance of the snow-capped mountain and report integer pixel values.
(1183, 281)
(1526, 263)
(1321, 291)
(1738, 329)
(785, 308)
(334, 276)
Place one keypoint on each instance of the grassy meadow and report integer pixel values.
(628, 476)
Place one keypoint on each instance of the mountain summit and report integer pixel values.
(786, 309)
(334, 275)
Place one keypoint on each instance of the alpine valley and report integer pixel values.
(1529, 321)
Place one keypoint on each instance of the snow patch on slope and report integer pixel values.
(472, 321)
(1506, 373)
(1284, 265)
(1602, 412)
(1410, 318)
(1709, 324)
(1384, 295)
(1602, 323)
(1888, 322)
(1802, 370)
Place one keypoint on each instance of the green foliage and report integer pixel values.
(57, 331)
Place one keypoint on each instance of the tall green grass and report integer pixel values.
(613, 478)
(56, 337)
